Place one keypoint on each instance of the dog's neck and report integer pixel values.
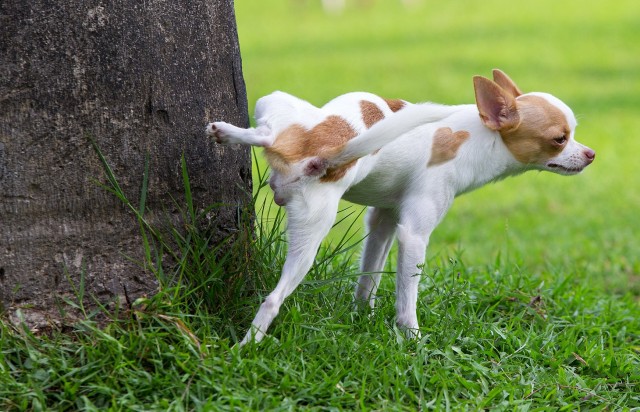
(471, 166)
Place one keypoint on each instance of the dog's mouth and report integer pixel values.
(564, 169)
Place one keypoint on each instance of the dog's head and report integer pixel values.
(537, 128)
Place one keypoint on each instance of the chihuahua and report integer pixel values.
(407, 162)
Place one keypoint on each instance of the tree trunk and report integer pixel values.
(139, 78)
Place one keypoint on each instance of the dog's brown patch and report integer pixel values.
(371, 113)
(395, 104)
(286, 148)
(532, 141)
(445, 145)
(296, 143)
(336, 173)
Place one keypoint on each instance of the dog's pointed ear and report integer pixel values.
(497, 106)
(506, 83)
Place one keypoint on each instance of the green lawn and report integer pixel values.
(530, 298)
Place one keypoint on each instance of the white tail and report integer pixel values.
(391, 128)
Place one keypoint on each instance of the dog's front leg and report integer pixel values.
(412, 247)
(309, 219)
(418, 219)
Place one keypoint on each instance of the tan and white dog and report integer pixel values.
(406, 161)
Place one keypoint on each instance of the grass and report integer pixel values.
(529, 299)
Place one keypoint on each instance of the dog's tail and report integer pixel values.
(389, 129)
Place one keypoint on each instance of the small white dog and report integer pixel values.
(406, 161)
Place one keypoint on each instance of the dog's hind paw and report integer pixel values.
(216, 130)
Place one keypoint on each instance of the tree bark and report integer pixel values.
(139, 78)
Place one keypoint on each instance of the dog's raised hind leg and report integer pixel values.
(226, 133)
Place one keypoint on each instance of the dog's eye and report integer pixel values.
(560, 140)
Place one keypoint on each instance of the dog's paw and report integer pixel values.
(216, 130)
(406, 334)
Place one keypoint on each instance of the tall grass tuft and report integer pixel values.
(216, 281)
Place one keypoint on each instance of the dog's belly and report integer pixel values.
(382, 179)
(371, 199)
(376, 190)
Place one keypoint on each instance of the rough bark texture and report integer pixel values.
(138, 77)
